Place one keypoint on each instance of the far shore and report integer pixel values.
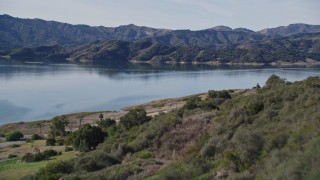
(278, 63)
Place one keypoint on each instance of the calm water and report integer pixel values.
(32, 92)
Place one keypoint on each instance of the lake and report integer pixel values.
(41, 91)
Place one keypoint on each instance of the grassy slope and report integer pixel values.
(14, 169)
(268, 133)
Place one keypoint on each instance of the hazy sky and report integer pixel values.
(171, 14)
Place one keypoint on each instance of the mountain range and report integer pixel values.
(291, 49)
(18, 32)
(55, 41)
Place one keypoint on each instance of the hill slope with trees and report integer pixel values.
(290, 49)
(261, 133)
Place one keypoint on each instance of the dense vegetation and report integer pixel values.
(262, 133)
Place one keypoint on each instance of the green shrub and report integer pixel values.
(144, 154)
(95, 161)
(28, 157)
(274, 81)
(254, 106)
(87, 138)
(14, 136)
(106, 123)
(39, 157)
(12, 156)
(50, 141)
(54, 170)
(14, 145)
(67, 149)
(134, 117)
(192, 103)
(36, 137)
(60, 142)
(219, 94)
(49, 153)
(58, 125)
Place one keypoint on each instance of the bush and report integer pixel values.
(254, 106)
(87, 138)
(60, 142)
(106, 123)
(192, 103)
(28, 157)
(144, 154)
(50, 152)
(14, 136)
(14, 145)
(39, 157)
(36, 137)
(67, 149)
(58, 125)
(219, 94)
(274, 80)
(54, 170)
(95, 161)
(134, 117)
(12, 156)
(50, 141)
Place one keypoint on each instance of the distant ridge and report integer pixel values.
(18, 33)
(291, 29)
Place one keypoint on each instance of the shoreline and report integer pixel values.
(153, 108)
(278, 63)
(77, 119)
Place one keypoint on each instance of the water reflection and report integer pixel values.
(41, 91)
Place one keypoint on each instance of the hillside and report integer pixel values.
(293, 49)
(291, 29)
(19, 33)
(261, 133)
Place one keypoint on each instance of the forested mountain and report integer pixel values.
(292, 49)
(18, 33)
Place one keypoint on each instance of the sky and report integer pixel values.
(169, 14)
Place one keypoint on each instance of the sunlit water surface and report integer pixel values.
(42, 91)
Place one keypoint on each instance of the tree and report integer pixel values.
(101, 116)
(134, 117)
(14, 136)
(58, 126)
(106, 123)
(87, 137)
(274, 80)
(70, 125)
(39, 124)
